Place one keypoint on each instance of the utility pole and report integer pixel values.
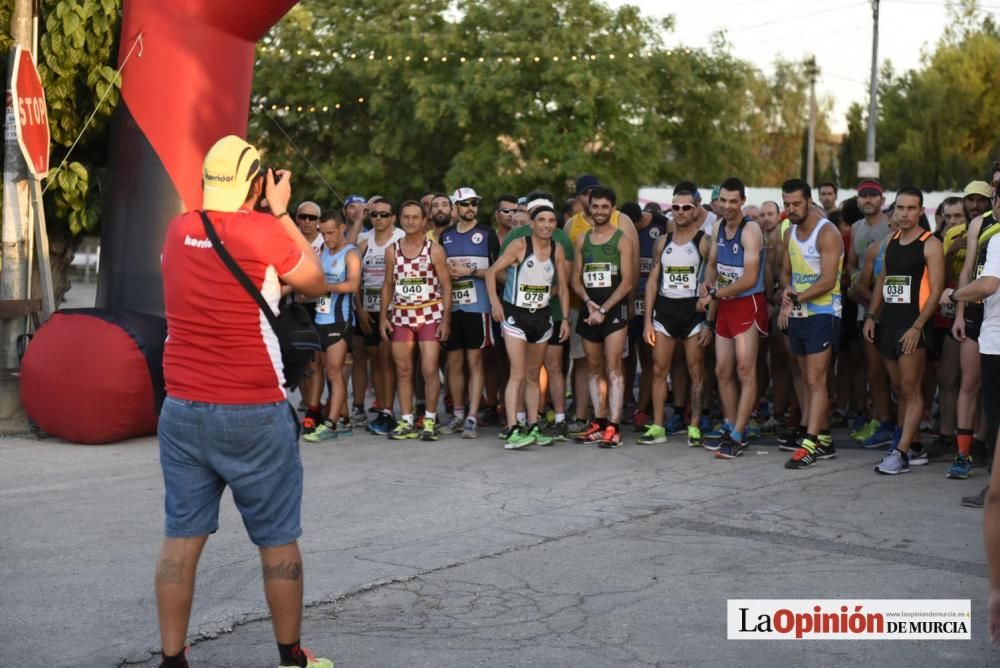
(16, 222)
(873, 94)
(812, 72)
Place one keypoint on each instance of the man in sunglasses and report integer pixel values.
(704, 219)
(504, 216)
(470, 248)
(307, 219)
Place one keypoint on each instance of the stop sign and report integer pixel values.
(31, 120)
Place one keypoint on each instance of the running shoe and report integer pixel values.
(803, 458)
(825, 448)
(314, 661)
(326, 431)
(469, 429)
(550, 416)
(578, 426)
(639, 420)
(753, 429)
(961, 468)
(586, 436)
(771, 426)
(453, 426)
(977, 500)
(730, 449)
(788, 440)
(655, 435)
(488, 416)
(429, 431)
(403, 431)
(507, 431)
(358, 417)
(375, 408)
(559, 431)
(519, 438)
(344, 427)
(867, 431)
(675, 424)
(857, 424)
(918, 455)
(894, 463)
(381, 425)
(540, 438)
(694, 437)
(311, 420)
(610, 438)
(718, 431)
(880, 438)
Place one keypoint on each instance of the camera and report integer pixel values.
(262, 204)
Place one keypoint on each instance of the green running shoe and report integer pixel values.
(326, 431)
(519, 438)
(540, 438)
(403, 431)
(694, 437)
(655, 435)
(430, 430)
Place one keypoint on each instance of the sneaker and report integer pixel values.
(694, 437)
(866, 431)
(587, 436)
(857, 424)
(488, 416)
(559, 431)
(977, 501)
(894, 463)
(519, 438)
(639, 420)
(314, 661)
(771, 426)
(469, 429)
(506, 432)
(453, 426)
(404, 430)
(381, 425)
(375, 408)
(326, 431)
(358, 417)
(310, 422)
(578, 427)
(918, 455)
(655, 435)
(540, 438)
(880, 438)
(788, 440)
(718, 431)
(825, 450)
(802, 459)
(730, 449)
(344, 427)
(550, 417)
(429, 431)
(610, 438)
(753, 429)
(675, 424)
(961, 468)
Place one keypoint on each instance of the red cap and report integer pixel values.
(870, 185)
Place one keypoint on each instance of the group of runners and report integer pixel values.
(865, 309)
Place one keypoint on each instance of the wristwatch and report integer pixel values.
(712, 292)
(601, 310)
(951, 297)
(710, 324)
(794, 298)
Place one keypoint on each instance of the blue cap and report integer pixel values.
(355, 199)
(585, 182)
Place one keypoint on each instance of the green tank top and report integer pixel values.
(601, 267)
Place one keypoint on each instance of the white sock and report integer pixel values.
(460, 413)
(408, 418)
(560, 417)
(430, 416)
(473, 419)
(522, 417)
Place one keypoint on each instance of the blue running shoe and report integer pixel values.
(858, 423)
(675, 424)
(753, 429)
(961, 468)
(716, 432)
(894, 463)
(880, 439)
(730, 449)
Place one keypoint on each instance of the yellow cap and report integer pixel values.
(978, 188)
(229, 168)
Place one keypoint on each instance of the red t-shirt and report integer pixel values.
(220, 348)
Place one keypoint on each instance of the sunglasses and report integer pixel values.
(469, 204)
(506, 210)
(306, 216)
(380, 214)
(682, 207)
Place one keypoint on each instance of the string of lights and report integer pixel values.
(410, 58)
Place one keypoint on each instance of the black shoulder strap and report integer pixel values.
(670, 238)
(236, 271)
(528, 247)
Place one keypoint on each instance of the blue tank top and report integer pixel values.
(647, 238)
(474, 249)
(730, 259)
(335, 307)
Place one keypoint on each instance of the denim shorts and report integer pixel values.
(254, 449)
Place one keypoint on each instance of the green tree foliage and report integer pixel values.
(935, 124)
(546, 91)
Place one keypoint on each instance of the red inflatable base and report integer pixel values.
(95, 376)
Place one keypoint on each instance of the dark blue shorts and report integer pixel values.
(815, 334)
(254, 449)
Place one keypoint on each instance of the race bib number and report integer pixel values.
(799, 311)
(532, 296)
(728, 276)
(323, 304)
(640, 307)
(597, 275)
(463, 292)
(413, 289)
(896, 290)
(372, 299)
(681, 278)
(645, 265)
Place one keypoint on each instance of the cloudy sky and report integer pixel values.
(838, 33)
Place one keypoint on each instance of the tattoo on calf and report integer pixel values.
(283, 570)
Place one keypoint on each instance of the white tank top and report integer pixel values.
(681, 268)
(373, 270)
